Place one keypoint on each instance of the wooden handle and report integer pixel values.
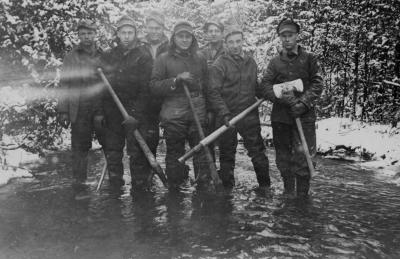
(305, 147)
(218, 132)
(142, 143)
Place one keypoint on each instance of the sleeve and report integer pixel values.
(266, 88)
(316, 83)
(215, 82)
(160, 85)
(66, 81)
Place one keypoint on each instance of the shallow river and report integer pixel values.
(351, 214)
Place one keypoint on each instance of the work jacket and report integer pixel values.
(80, 84)
(235, 82)
(208, 53)
(282, 69)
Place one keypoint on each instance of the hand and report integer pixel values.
(226, 120)
(185, 77)
(64, 120)
(289, 99)
(130, 124)
(99, 122)
(298, 109)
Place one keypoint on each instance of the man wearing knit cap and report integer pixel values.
(181, 65)
(128, 68)
(292, 63)
(156, 43)
(81, 105)
(234, 76)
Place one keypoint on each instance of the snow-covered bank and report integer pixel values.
(11, 164)
(347, 139)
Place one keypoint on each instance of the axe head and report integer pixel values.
(295, 86)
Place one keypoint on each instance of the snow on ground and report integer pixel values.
(378, 143)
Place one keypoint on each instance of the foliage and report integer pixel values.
(357, 43)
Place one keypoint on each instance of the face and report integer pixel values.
(214, 33)
(234, 43)
(288, 39)
(183, 40)
(154, 30)
(126, 35)
(86, 36)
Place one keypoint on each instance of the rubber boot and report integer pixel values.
(115, 168)
(261, 167)
(302, 185)
(227, 177)
(79, 166)
(288, 185)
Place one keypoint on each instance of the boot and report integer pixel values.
(288, 184)
(302, 185)
(261, 167)
(115, 168)
(227, 178)
(79, 166)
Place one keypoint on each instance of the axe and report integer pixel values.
(296, 86)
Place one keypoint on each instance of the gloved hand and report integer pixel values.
(185, 77)
(289, 99)
(298, 109)
(226, 120)
(130, 124)
(64, 120)
(99, 122)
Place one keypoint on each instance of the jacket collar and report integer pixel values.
(295, 53)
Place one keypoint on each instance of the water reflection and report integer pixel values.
(350, 214)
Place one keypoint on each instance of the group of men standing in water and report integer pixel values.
(151, 76)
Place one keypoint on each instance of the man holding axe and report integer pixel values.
(234, 76)
(293, 83)
(128, 69)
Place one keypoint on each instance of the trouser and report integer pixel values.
(290, 158)
(250, 130)
(176, 132)
(82, 130)
(114, 142)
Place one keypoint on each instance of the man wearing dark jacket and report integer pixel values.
(234, 75)
(182, 65)
(81, 103)
(292, 63)
(156, 43)
(128, 68)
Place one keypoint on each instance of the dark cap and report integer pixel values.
(232, 29)
(213, 21)
(289, 25)
(183, 26)
(126, 21)
(87, 24)
(156, 16)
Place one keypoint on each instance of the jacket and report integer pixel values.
(80, 82)
(282, 69)
(235, 82)
(129, 71)
(175, 104)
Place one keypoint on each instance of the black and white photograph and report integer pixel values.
(179, 129)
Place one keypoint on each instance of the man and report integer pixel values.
(180, 66)
(213, 30)
(234, 75)
(128, 68)
(292, 63)
(81, 104)
(156, 43)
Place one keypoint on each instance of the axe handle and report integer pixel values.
(103, 173)
(210, 160)
(218, 132)
(305, 147)
(142, 143)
